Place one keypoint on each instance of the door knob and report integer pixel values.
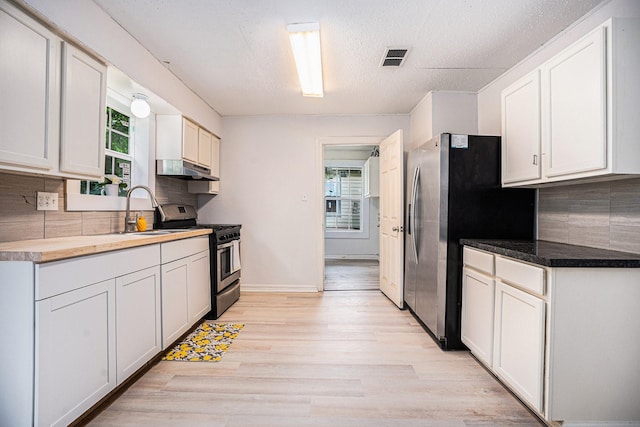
(397, 228)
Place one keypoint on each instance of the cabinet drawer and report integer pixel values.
(525, 276)
(177, 249)
(57, 277)
(479, 260)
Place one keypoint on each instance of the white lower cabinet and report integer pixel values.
(175, 297)
(75, 347)
(186, 286)
(563, 339)
(503, 320)
(477, 313)
(199, 302)
(138, 322)
(79, 327)
(518, 357)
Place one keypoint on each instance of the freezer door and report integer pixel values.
(428, 229)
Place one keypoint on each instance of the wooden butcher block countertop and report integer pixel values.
(45, 250)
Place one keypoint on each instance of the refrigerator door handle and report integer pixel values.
(412, 213)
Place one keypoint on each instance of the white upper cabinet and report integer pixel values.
(54, 122)
(84, 99)
(215, 156)
(582, 119)
(521, 130)
(204, 147)
(371, 174)
(575, 114)
(180, 138)
(28, 113)
(190, 149)
(209, 187)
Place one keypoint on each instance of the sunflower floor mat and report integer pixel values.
(207, 343)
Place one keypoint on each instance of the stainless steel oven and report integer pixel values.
(226, 268)
(228, 265)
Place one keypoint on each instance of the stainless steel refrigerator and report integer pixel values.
(454, 192)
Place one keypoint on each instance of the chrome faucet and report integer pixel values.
(129, 222)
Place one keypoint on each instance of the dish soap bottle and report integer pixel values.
(141, 222)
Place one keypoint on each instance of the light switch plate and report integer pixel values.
(46, 201)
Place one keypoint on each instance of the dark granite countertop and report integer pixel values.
(553, 254)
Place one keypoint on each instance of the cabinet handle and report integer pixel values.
(535, 159)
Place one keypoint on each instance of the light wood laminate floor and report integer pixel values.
(321, 359)
(351, 274)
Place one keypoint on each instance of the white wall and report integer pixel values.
(489, 114)
(88, 25)
(268, 163)
(443, 111)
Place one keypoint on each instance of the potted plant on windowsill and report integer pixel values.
(111, 185)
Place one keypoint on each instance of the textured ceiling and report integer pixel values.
(235, 54)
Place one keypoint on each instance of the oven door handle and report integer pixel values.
(226, 245)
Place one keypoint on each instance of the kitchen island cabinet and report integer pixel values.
(565, 328)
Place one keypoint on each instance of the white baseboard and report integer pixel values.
(364, 256)
(262, 287)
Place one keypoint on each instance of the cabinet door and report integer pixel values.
(518, 354)
(75, 347)
(372, 177)
(175, 297)
(521, 130)
(82, 132)
(204, 148)
(215, 157)
(189, 141)
(574, 107)
(199, 286)
(29, 110)
(478, 297)
(138, 320)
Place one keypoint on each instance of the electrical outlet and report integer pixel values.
(46, 201)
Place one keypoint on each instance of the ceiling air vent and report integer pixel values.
(394, 57)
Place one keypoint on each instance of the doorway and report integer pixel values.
(351, 217)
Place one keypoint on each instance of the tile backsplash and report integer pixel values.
(602, 215)
(19, 219)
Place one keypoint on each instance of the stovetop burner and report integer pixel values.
(173, 215)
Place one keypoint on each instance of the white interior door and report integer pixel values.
(391, 218)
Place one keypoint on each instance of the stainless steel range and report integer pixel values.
(224, 248)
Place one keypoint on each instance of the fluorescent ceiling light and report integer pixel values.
(305, 42)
